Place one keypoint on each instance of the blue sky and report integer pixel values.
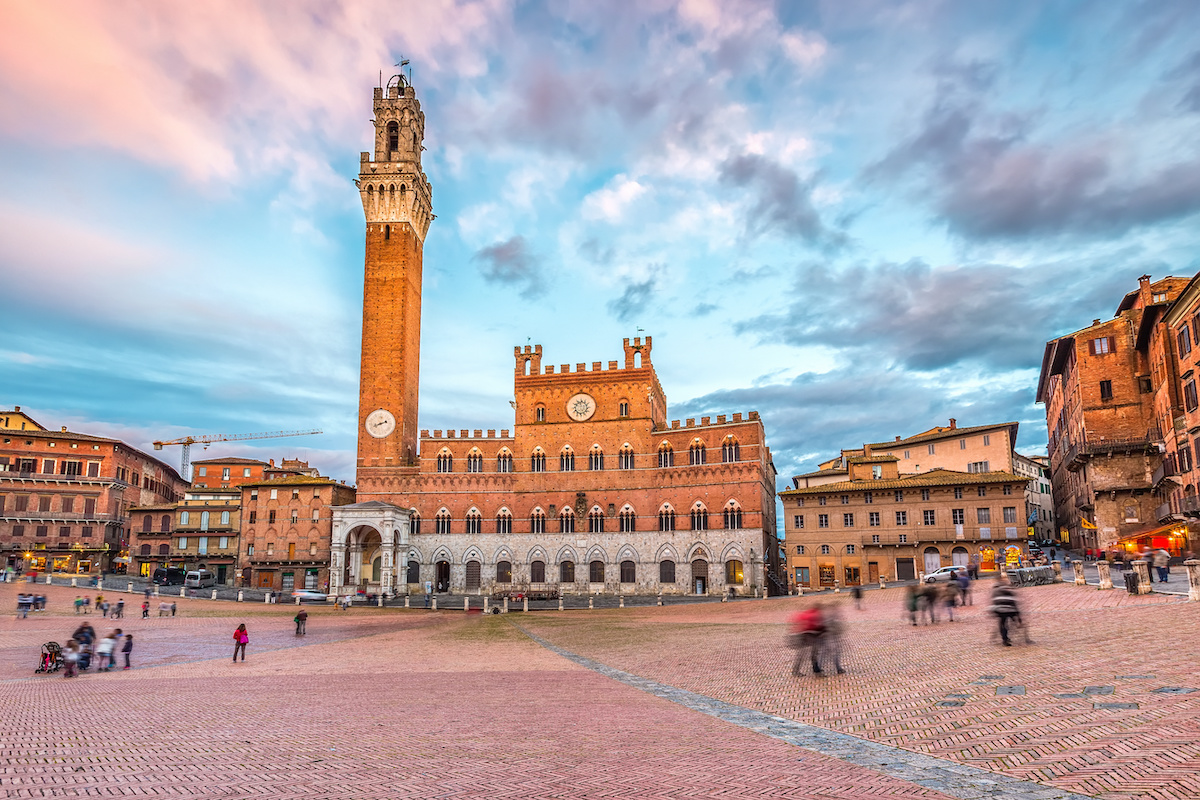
(858, 218)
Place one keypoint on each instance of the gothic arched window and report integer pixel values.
(504, 522)
(628, 520)
(504, 462)
(696, 455)
(566, 521)
(443, 521)
(625, 458)
(537, 521)
(474, 522)
(393, 137)
(596, 521)
(699, 518)
(733, 517)
(445, 461)
(595, 458)
(537, 462)
(475, 461)
(666, 456)
(730, 450)
(566, 460)
(666, 519)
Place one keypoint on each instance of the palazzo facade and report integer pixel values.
(593, 490)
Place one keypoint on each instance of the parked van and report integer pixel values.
(168, 576)
(199, 579)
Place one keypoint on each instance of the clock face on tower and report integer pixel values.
(380, 423)
(581, 407)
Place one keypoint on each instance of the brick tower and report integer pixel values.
(397, 204)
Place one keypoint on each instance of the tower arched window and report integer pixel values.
(699, 518)
(445, 461)
(387, 233)
(164, 523)
(537, 521)
(504, 462)
(566, 521)
(595, 458)
(414, 522)
(540, 413)
(566, 460)
(596, 521)
(442, 523)
(474, 522)
(729, 450)
(147, 523)
(475, 461)
(628, 520)
(537, 462)
(504, 522)
(666, 519)
(696, 454)
(393, 137)
(733, 517)
(666, 456)
(625, 458)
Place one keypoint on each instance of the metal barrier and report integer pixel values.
(1031, 576)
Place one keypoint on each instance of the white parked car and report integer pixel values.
(308, 594)
(943, 574)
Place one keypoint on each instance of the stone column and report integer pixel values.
(1142, 568)
(1057, 567)
(385, 570)
(1105, 574)
(354, 553)
(1078, 566)
(1193, 570)
(337, 555)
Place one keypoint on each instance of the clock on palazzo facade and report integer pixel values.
(591, 490)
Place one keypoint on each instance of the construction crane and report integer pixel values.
(185, 462)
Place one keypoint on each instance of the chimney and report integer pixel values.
(953, 423)
(897, 438)
(64, 428)
(272, 461)
(16, 408)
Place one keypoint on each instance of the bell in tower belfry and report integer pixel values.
(398, 207)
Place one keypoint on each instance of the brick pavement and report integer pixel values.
(923, 689)
(388, 703)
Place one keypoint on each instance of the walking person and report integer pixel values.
(830, 640)
(950, 597)
(1162, 564)
(104, 653)
(120, 609)
(240, 639)
(24, 602)
(856, 592)
(301, 620)
(127, 648)
(145, 609)
(1004, 606)
(964, 587)
(70, 655)
(172, 609)
(910, 604)
(807, 627)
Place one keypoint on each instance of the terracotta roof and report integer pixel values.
(935, 477)
(85, 437)
(946, 433)
(879, 459)
(232, 461)
(820, 472)
(157, 507)
(297, 480)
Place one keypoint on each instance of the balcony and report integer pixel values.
(1164, 513)
(1165, 470)
(1190, 505)
(1092, 445)
(931, 535)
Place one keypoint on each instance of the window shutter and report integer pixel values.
(1112, 344)
(1091, 347)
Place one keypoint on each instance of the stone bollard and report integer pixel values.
(297, 601)
(590, 601)
(74, 581)
(466, 604)
(378, 600)
(130, 589)
(1078, 567)
(1193, 570)
(1142, 568)
(406, 601)
(560, 608)
(435, 602)
(183, 592)
(485, 605)
(660, 598)
(156, 591)
(214, 596)
(1105, 574)
(799, 590)
(524, 603)
(504, 610)
(837, 586)
(241, 595)
(621, 602)
(1057, 567)
(267, 597)
(99, 585)
(882, 582)
(49, 580)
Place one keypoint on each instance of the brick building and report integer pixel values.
(592, 490)
(878, 522)
(1108, 390)
(229, 472)
(1039, 498)
(286, 529)
(65, 497)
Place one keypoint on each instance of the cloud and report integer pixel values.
(512, 263)
(635, 299)
(609, 204)
(779, 201)
(928, 318)
(704, 309)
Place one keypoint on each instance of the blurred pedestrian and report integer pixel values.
(240, 638)
(807, 625)
(910, 603)
(927, 602)
(70, 655)
(856, 592)
(24, 603)
(172, 608)
(830, 641)
(301, 619)
(950, 597)
(104, 653)
(127, 648)
(120, 608)
(1162, 564)
(964, 587)
(145, 609)
(1004, 607)
(78, 604)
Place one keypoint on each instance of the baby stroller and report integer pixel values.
(52, 660)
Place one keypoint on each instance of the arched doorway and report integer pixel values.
(700, 576)
(960, 557)
(473, 571)
(377, 569)
(933, 560)
(443, 576)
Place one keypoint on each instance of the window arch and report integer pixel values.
(414, 523)
(504, 461)
(734, 573)
(699, 518)
(566, 571)
(666, 518)
(540, 413)
(442, 522)
(628, 572)
(537, 521)
(566, 460)
(666, 571)
(474, 461)
(503, 572)
(625, 457)
(147, 523)
(733, 516)
(164, 549)
(596, 521)
(566, 520)
(393, 137)
(730, 450)
(696, 453)
(666, 456)
(445, 461)
(628, 520)
(474, 521)
(537, 572)
(537, 462)
(224, 517)
(145, 550)
(595, 458)
(826, 550)
(504, 521)
(164, 523)
(596, 571)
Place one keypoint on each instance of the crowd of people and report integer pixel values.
(83, 648)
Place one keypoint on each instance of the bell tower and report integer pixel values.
(398, 207)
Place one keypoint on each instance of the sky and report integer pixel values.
(859, 218)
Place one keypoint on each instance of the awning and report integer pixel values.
(1178, 527)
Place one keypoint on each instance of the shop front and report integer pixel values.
(1175, 539)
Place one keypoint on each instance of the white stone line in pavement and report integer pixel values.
(938, 774)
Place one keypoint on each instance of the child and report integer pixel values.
(127, 648)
